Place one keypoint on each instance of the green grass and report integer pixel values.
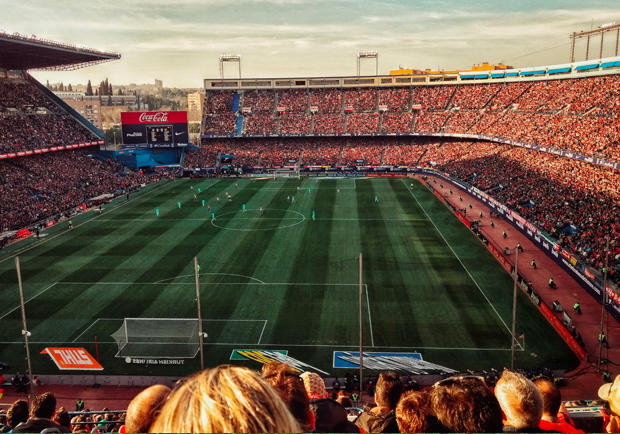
(279, 281)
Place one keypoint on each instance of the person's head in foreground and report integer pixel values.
(610, 392)
(520, 399)
(465, 405)
(290, 386)
(225, 399)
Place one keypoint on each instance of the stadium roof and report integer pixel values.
(20, 52)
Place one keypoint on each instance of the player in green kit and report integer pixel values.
(203, 202)
(309, 190)
(243, 206)
(212, 216)
(198, 189)
(312, 215)
(157, 211)
(179, 204)
(376, 199)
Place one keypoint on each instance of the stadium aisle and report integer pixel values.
(583, 383)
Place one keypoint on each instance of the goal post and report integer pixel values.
(172, 338)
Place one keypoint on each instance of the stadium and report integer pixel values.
(434, 223)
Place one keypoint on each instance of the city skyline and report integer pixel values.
(180, 42)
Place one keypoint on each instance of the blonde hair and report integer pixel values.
(225, 399)
(520, 399)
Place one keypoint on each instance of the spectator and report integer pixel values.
(382, 418)
(466, 405)
(555, 417)
(610, 392)
(41, 414)
(17, 413)
(225, 399)
(413, 413)
(62, 418)
(521, 402)
(145, 407)
(329, 415)
(290, 386)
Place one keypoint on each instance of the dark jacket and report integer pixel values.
(38, 424)
(330, 416)
(383, 422)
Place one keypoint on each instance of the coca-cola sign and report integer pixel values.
(153, 118)
(160, 117)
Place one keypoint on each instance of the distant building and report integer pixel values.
(92, 107)
(88, 107)
(195, 102)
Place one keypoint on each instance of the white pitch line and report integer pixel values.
(108, 210)
(216, 274)
(29, 300)
(261, 333)
(459, 259)
(372, 335)
(87, 328)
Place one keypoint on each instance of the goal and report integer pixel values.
(167, 338)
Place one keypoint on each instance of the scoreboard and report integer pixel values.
(159, 134)
(154, 129)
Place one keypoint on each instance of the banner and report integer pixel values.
(77, 359)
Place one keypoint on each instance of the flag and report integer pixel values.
(522, 336)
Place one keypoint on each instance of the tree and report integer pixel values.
(89, 89)
(69, 88)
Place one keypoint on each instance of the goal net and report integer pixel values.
(286, 173)
(158, 338)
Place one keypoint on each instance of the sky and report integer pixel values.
(180, 41)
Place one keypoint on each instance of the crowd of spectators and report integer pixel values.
(43, 186)
(295, 123)
(259, 100)
(281, 399)
(548, 190)
(224, 123)
(43, 415)
(259, 124)
(29, 120)
(362, 123)
(293, 100)
(362, 100)
(578, 115)
(219, 101)
(327, 100)
(396, 122)
(396, 99)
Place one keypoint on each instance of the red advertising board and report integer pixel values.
(463, 219)
(498, 255)
(555, 322)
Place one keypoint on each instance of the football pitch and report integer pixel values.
(276, 280)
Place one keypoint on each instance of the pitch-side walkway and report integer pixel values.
(583, 383)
